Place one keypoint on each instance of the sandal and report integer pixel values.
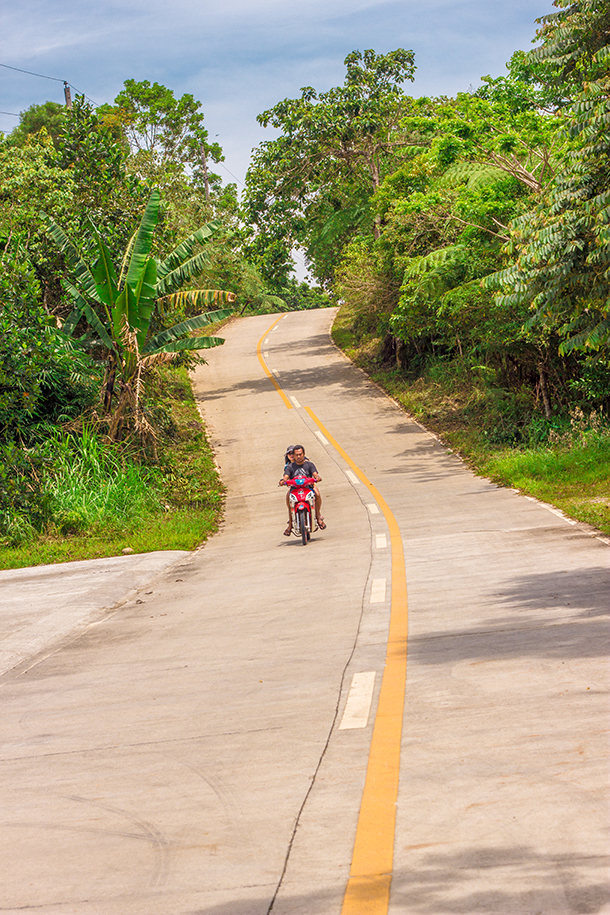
(288, 530)
(322, 524)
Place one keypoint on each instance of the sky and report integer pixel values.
(241, 57)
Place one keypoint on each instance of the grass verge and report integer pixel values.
(183, 506)
(569, 467)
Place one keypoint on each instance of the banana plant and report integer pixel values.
(119, 309)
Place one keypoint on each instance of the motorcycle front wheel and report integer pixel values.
(303, 525)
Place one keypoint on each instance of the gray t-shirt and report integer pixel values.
(306, 469)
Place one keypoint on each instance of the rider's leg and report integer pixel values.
(318, 502)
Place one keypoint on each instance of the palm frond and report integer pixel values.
(420, 265)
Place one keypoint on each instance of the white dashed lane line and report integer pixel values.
(374, 510)
(381, 541)
(358, 705)
(321, 437)
(378, 589)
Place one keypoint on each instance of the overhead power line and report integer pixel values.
(11, 114)
(55, 79)
(230, 173)
(29, 72)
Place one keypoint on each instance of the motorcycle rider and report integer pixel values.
(301, 466)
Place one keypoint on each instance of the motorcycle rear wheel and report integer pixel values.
(303, 525)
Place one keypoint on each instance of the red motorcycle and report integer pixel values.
(302, 501)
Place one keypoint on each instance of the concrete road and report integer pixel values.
(39, 606)
(194, 751)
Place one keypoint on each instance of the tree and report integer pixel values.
(45, 377)
(562, 246)
(571, 41)
(164, 130)
(332, 155)
(50, 115)
(119, 309)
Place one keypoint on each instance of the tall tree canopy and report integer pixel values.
(562, 267)
(315, 180)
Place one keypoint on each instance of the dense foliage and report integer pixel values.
(113, 233)
(468, 234)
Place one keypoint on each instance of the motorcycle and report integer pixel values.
(302, 501)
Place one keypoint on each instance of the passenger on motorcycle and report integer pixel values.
(304, 467)
(288, 459)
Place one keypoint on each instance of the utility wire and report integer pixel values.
(65, 82)
(230, 173)
(29, 72)
(55, 79)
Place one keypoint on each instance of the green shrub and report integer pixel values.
(91, 485)
(44, 377)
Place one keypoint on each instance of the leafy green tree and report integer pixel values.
(332, 154)
(562, 246)
(31, 181)
(49, 115)
(571, 41)
(45, 376)
(163, 131)
(119, 309)
(97, 162)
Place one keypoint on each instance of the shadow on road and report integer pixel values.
(537, 880)
(445, 885)
(553, 615)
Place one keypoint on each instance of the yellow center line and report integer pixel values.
(368, 887)
(259, 353)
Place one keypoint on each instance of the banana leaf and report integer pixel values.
(178, 331)
(125, 260)
(93, 319)
(186, 248)
(195, 298)
(105, 279)
(189, 343)
(81, 269)
(125, 312)
(143, 240)
(145, 299)
(176, 278)
(72, 320)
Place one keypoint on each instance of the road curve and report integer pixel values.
(204, 748)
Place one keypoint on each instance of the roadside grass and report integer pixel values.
(574, 477)
(104, 503)
(565, 462)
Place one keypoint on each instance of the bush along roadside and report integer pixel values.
(77, 496)
(502, 433)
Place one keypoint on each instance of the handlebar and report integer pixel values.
(299, 481)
